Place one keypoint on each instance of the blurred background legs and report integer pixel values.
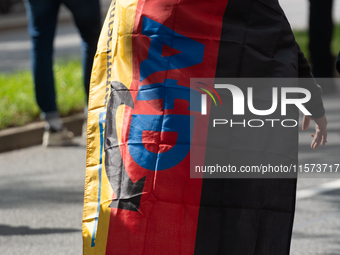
(42, 16)
(320, 36)
(86, 15)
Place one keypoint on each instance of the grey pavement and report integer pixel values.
(317, 219)
(41, 190)
(41, 199)
(317, 225)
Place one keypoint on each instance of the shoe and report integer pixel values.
(58, 138)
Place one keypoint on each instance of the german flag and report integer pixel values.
(139, 197)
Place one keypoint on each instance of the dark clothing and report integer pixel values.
(320, 37)
(257, 41)
(157, 208)
(254, 216)
(42, 15)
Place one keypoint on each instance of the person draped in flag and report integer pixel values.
(144, 129)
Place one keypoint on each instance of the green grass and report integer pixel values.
(302, 39)
(17, 100)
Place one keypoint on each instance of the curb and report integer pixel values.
(31, 134)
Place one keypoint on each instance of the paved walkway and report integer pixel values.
(317, 224)
(41, 198)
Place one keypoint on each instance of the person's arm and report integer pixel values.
(307, 81)
(315, 105)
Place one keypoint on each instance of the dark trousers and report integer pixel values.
(42, 15)
(320, 33)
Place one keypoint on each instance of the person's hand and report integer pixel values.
(320, 135)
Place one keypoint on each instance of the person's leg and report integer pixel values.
(42, 16)
(86, 14)
(320, 33)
